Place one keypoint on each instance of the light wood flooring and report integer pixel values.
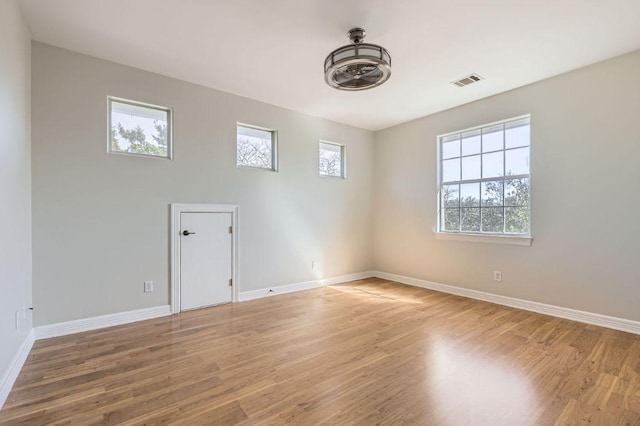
(368, 352)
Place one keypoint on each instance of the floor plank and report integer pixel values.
(366, 352)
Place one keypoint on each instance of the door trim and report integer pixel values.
(176, 210)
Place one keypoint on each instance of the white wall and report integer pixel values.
(585, 165)
(101, 221)
(15, 180)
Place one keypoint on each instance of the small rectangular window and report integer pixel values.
(332, 160)
(138, 128)
(256, 147)
(484, 179)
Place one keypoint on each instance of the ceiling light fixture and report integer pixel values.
(357, 66)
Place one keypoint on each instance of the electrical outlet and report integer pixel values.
(17, 320)
(314, 265)
(148, 286)
(497, 276)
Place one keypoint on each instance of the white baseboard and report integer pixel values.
(557, 311)
(102, 321)
(290, 288)
(94, 323)
(10, 376)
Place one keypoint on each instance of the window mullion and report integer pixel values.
(504, 172)
(481, 155)
(440, 203)
(489, 179)
(480, 209)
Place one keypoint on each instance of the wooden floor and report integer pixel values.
(368, 352)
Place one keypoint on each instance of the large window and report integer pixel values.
(139, 129)
(484, 179)
(256, 147)
(331, 160)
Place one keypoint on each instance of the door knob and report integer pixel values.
(185, 232)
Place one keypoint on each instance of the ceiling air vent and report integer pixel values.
(465, 81)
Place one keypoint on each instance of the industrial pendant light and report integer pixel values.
(357, 66)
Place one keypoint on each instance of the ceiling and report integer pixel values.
(273, 51)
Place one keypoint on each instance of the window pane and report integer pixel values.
(478, 191)
(517, 220)
(517, 133)
(471, 142)
(470, 220)
(471, 167)
(516, 192)
(492, 165)
(138, 129)
(451, 219)
(492, 138)
(450, 195)
(255, 147)
(330, 160)
(451, 170)
(517, 161)
(470, 195)
(492, 219)
(451, 146)
(492, 193)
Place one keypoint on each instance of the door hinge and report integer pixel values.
(231, 229)
(230, 282)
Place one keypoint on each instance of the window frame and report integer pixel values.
(274, 147)
(343, 160)
(479, 236)
(168, 110)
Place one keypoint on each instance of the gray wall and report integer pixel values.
(101, 221)
(15, 180)
(585, 165)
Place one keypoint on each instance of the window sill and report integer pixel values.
(268, 169)
(488, 239)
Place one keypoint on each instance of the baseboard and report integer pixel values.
(290, 288)
(102, 321)
(94, 323)
(10, 376)
(557, 311)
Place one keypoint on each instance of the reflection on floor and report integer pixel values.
(366, 352)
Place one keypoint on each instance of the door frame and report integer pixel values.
(176, 210)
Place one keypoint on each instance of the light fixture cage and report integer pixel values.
(357, 66)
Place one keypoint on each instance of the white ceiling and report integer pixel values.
(273, 50)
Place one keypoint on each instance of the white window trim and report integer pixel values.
(169, 112)
(274, 147)
(515, 240)
(343, 160)
(508, 239)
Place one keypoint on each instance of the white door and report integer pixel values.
(205, 259)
